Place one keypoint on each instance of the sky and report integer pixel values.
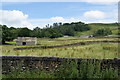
(38, 14)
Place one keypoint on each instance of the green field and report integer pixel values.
(94, 50)
(95, 26)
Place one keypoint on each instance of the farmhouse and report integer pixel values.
(26, 41)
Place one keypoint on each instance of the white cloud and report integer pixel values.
(107, 17)
(64, 20)
(14, 18)
(17, 18)
(57, 19)
(42, 22)
(91, 15)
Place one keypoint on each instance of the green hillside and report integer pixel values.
(96, 26)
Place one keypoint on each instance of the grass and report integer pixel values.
(96, 50)
(87, 70)
(96, 26)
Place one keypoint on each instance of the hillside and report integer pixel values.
(96, 26)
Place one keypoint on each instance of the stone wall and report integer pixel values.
(50, 63)
(66, 45)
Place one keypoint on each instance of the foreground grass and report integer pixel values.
(87, 70)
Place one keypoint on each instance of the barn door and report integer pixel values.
(23, 43)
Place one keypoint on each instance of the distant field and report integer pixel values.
(96, 50)
(96, 26)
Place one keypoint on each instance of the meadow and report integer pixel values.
(96, 26)
(94, 50)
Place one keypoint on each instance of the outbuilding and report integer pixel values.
(26, 41)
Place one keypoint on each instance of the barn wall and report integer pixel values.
(27, 43)
(18, 43)
(31, 43)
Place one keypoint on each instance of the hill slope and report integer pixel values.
(96, 26)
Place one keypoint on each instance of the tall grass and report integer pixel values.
(96, 50)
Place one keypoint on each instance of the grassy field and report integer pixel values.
(94, 50)
(96, 26)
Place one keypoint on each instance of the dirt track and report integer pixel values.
(67, 45)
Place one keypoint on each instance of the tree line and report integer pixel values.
(51, 31)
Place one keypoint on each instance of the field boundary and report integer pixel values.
(67, 45)
(80, 39)
(14, 62)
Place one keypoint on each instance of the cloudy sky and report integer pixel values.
(32, 14)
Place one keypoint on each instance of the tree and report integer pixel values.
(54, 33)
(51, 31)
(80, 27)
(1, 35)
(13, 33)
(36, 32)
(24, 32)
(5, 33)
(102, 32)
(70, 32)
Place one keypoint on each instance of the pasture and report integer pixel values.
(96, 26)
(93, 50)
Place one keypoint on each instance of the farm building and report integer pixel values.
(26, 41)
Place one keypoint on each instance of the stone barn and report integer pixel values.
(26, 41)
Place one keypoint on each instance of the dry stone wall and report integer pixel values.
(48, 63)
